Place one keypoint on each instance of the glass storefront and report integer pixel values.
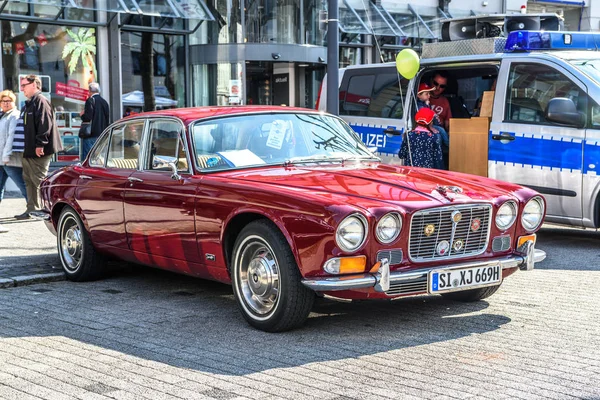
(153, 71)
(217, 84)
(64, 58)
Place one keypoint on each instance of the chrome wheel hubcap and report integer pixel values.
(71, 244)
(258, 276)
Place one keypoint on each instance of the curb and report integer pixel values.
(25, 280)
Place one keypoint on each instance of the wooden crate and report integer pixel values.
(469, 145)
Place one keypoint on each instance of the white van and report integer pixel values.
(545, 123)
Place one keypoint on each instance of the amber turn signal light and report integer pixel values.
(346, 265)
(523, 239)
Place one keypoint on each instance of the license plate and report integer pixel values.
(448, 280)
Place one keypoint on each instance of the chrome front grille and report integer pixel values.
(459, 239)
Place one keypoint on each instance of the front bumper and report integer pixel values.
(400, 283)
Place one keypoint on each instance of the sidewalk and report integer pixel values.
(28, 251)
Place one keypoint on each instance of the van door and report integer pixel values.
(371, 101)
(525, 148)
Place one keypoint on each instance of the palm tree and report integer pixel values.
(82, 47)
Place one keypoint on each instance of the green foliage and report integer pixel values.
(82, 47)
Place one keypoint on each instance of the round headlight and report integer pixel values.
(351, 233)
(388, 228)
(532, 214)
(506, 215)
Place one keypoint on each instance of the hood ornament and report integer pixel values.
(449, 192)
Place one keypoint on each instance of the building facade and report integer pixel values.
(152, 54)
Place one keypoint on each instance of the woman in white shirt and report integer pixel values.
(11, 165)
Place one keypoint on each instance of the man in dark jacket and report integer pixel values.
(41, 140)
(96, 113)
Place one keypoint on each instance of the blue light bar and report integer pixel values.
(518, 41)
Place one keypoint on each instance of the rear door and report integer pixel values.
(527, 149)
(372, 100)
(99, 192)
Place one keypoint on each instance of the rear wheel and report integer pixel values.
(473, 294)
(79, 259)
(266, 279)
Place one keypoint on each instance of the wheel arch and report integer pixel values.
(236, 223)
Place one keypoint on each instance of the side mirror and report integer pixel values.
(562, 110)
(392, 131)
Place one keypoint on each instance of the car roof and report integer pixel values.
(191, 114)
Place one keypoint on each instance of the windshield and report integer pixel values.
(274, 139)
(590, 67)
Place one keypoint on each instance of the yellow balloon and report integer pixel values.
(407, 63)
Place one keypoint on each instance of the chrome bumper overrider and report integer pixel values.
(416, 281)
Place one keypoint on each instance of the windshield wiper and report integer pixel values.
(327, 158)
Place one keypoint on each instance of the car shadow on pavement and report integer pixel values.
(190, 323)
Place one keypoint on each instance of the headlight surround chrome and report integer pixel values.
(506, 215)
(351, 233)
(533, 213)
(388, 228)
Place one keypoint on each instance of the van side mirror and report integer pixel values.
(562, 110)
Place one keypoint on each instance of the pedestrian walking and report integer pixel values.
(11, 157)
(96, 114)
(38, 131)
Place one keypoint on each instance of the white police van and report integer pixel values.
(545, 124)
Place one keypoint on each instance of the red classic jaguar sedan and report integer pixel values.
(284, 203)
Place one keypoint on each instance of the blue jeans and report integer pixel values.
(86, 146)
(14, 173)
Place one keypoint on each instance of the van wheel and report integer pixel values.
(473, 294)
(266, 279)
(78, 256)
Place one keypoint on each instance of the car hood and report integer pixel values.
(402, 186)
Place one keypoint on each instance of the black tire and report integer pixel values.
(80, 260)
(473, 294)
(266, 280)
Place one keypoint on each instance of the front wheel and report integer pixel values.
(473, 294)
(78, 256)
(266, 279)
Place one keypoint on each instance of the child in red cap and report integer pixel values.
(423, 95)
(422, 147)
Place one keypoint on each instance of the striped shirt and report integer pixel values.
(19, 140)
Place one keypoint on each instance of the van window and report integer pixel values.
(386, 101)
(372, 92)
(356, 99)
(532, 86)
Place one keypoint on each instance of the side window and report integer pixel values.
(387, 98)
(532, 86)
(355, 99)
(98, 155)
(166, 145)
(125, 143)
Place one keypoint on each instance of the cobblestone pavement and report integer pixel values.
(146, 334)
(28, 250)
(152, 334)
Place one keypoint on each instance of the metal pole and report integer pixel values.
(333, 58)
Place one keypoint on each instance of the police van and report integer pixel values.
(544, 130)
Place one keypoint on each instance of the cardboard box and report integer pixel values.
(487, 102)
(469, 145)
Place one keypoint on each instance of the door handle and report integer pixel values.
(133, 179)
(503, 136)
(391, 131)
(85, 177)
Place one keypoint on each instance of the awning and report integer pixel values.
(59, 11)
(390, 18)
(136, 99)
